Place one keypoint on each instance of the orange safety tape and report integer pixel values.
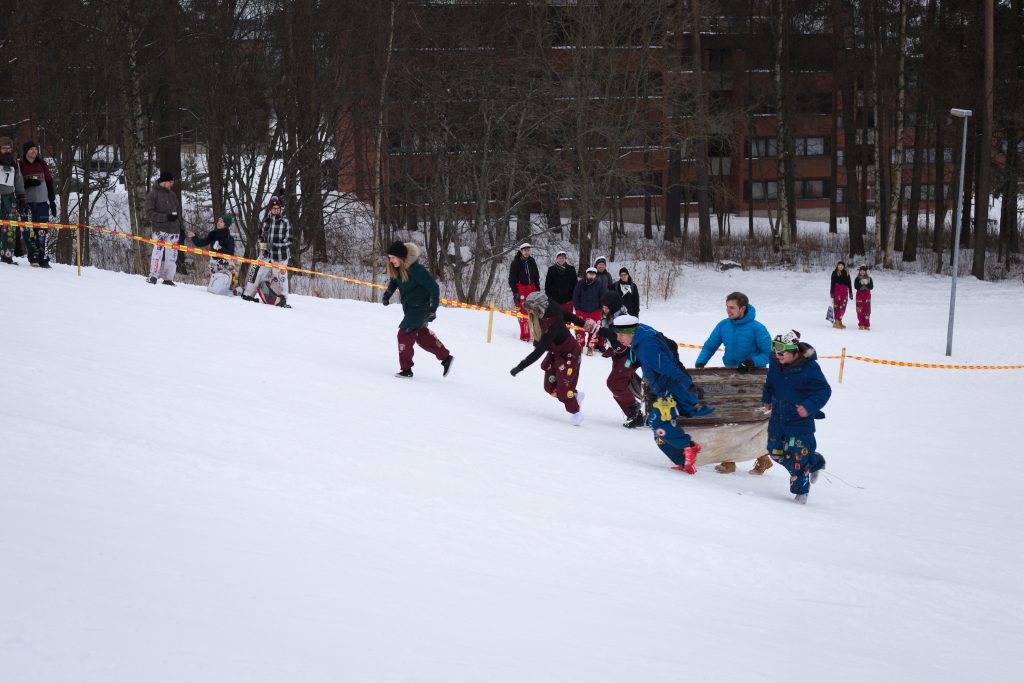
(449, 302)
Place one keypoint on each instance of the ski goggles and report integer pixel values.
(781, 346)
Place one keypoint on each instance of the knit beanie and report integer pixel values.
(228, 220)
(27, 146)
(623, 270)
(165, 176)
(612, 300)
(398, 249)
(536, 302)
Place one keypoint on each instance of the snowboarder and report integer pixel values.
(39, 197)
(586, 299)
(523, 278)
(223, 273)
(863, 284)
(623, 370)
(164, 213)
(420, 296)
(561, 365)
(603, 276)
(795, 392)
(674, 391)
(12, 200)
(274, 246)
(630, 294)
(841, 291)
(560, 281)
(747, 345)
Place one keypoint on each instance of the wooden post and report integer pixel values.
(842, 364)
(490, 323)
(78, 248)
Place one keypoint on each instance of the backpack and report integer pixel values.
(673, 348)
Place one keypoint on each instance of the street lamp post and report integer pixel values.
(958, 218)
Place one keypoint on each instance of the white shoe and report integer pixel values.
(801, 499)
(814, 476)
(579, 397)
(577, 419)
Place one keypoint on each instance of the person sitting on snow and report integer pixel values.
(747, 345)
(674, 391)
(223, 273)
(795, 392)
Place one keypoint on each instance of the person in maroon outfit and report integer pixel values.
(623, 369)
(561, 365)
(841, 291)
(524, 279)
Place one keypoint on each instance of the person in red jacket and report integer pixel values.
(524, 279)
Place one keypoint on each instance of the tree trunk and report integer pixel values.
(706, 248)
(376, 245)
(673, 192)
(985, 149)
(780, 30)
(896, 182)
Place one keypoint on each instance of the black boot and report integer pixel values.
(168, 282)
(635, 417)
(447, 365)
(404, 373)
(8, 260)
(151, 280)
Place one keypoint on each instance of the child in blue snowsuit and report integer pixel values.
(795, 391)
(670, 384)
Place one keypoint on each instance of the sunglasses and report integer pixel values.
(782, 347)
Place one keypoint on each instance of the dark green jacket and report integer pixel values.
(420, 293)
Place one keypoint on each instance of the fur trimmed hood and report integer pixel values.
(414, 253)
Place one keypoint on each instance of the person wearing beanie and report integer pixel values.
(560, 281)
(41, 201)
(841, 291)
(675, 395)
(863, 284)
(552, 339)
(629, 291)
(420, 297)
(623, 373)
(163, 210)
(223, 273)
(748, 345)
(12, 200)
(523, 278)
(269, 284)
(604, 278)
(586, 299)
(795, 392)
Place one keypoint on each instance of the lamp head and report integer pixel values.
(961, 113)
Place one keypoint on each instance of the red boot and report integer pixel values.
(690, 459)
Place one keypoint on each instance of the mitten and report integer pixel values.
(515, 371)
(699, 366)
(22, 205)
(432, 316)
(590, 325)
(262, 246)
(386, 299)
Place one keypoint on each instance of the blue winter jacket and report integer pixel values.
(744, 338)
(801, 383)
(660, 369)
(587, 296)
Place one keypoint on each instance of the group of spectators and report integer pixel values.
(26, 194)
(583, 295)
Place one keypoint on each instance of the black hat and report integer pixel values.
(27, 146)
(623, 270)
(398, 249)
(612, 299)
(165, 176)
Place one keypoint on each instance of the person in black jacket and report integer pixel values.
(630, 294)
(863, 284)
(841, 291)
(603, 276)
(524, 279)
(586, 299)
(220, 241)
(561, 365)
(560, 282)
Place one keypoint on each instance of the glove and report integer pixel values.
(591, 326)
(699, 366)
(386, 299)
(432, 316)
(694, 389)
(515, 371)
(262, 246)
(701, 409)
(746, 366)
(172, 217)
(53, 209)
(32, 182)
(607, 353)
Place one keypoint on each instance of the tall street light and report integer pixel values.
(958, 217)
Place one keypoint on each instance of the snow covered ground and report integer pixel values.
(194, 488)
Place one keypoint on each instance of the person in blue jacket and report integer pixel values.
(795, 392)
(747, 345)
(675, 393)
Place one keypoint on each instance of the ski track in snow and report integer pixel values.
(195, 488)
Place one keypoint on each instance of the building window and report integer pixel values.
(811, 147)
(762, 148)
(927, 155)
(761, 190)
(840, 157)
(814, 189)
(927, 192)
(840, 195)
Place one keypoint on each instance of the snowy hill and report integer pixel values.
(194, 488)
